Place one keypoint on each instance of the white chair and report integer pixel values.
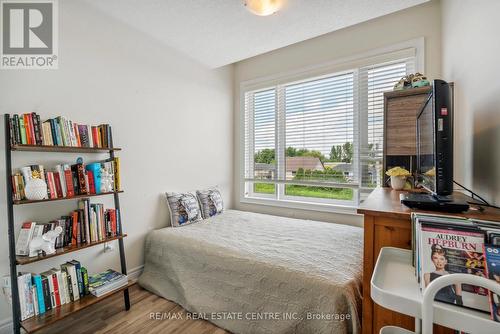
(430, 293)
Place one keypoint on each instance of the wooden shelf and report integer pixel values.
(22, 260)
(27, 201)
(38, 322)
(63, 149)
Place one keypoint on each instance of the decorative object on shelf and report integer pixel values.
(419, 80)
(263, 7)
(46, 242)
(36, 189)
(411, 81)
(398, 177)
(107, 181)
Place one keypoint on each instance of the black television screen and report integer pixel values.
(435, 141)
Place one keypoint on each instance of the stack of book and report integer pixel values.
(444, 245)
(28, 129)
(39, 293)
(69, 180)
(90, 223)
(105, 282)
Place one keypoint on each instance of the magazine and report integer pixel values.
(493, 269)
(445, 250)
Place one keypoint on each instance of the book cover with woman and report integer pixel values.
(445, 251)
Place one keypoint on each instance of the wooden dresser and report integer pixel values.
(387, 223)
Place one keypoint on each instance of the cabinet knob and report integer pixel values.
(390, 228)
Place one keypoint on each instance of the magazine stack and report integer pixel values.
(105, 282)
(445, 245)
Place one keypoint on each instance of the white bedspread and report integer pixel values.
(255, 273)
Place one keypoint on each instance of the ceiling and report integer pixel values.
(221, 32)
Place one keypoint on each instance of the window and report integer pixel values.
(318, 140)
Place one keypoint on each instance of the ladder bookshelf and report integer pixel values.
(38, 322)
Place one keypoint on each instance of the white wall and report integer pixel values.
(420, 21)
(471, 51)
(172, 117)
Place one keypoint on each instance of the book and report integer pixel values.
(492, 253)
(46, 293)
(24, 238)
(451, 249)
(37, 232)
(37, 282)
(25, 295)
(79, 277)
(105, 282)
(85, 277)
(50, 280)
(35, 299)
(70, 269)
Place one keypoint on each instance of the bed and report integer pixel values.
(256, 273)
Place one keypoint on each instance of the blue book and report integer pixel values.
(37, 282)
(54, 133)
(95, 168)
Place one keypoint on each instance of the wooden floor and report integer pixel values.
(109, 317)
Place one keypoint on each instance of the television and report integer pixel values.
(435, 141)
(435, 154)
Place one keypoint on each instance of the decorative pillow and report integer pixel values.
(184, 208)
(211, 202)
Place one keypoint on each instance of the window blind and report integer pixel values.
(374, 81)
(320, 139)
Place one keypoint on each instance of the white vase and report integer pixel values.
(36, 189)
(398, 182)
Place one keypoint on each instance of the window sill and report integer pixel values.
(332, 208)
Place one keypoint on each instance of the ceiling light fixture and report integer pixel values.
(263, 7)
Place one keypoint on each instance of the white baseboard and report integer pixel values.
(134, 273)
(6, 324)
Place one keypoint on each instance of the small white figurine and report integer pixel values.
(46, 242)
(106, 181)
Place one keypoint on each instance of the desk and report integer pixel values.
(387, 224)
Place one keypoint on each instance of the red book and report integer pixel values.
(57, 182)
(70, 191)
(56, 289)
(90, 176)
(112, 216)
(74, 235)
(81, 179)
(95, 136)
(32, 128)
(50, 182)
(77, 135)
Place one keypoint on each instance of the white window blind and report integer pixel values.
(373, 82)
(318, 140)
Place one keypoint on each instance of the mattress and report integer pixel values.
(256, 273)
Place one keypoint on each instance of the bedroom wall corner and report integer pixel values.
(470, 60)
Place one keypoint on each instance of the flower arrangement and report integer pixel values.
(398, 177)
(397, 171)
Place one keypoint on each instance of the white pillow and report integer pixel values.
(210, 201)
(184, 208)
